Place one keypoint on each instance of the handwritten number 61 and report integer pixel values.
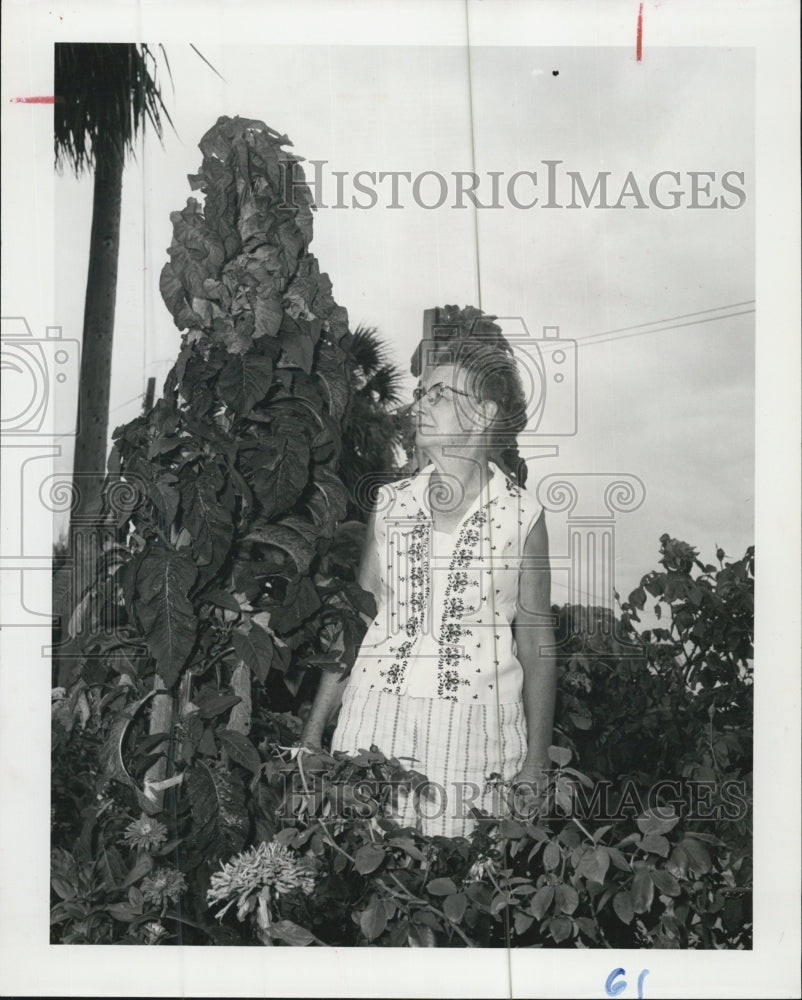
(615, 983)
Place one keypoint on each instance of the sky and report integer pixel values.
(668, 401)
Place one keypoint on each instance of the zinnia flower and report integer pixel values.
(268, 868)
(145, 832)
(163, 885)
(154, 932)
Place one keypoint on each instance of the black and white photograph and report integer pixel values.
(400, 448)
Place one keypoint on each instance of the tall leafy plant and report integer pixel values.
(231, 493)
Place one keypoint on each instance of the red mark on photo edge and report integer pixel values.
(639, 37)
(33, 100)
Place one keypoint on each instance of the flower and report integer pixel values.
(145, 832)
(153, 932)
(268, 868)
(484, 865)
(163, 885)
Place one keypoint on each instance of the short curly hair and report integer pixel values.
(472, 341)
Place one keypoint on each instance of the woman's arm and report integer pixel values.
(534, 637)
(332, 684)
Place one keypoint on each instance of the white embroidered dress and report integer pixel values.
(448, 600)
(437, 677)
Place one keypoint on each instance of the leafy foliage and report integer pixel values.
(673, 701)
(237, 463)
(648, 857)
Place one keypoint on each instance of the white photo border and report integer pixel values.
(28, 964)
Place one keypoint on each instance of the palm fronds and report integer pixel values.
(375, 374)
(376, 439)
(104, 92)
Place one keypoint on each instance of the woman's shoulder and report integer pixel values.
(518, 499)
(393, 497)
(509, 488)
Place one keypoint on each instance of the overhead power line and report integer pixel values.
(601, 338)
(670, 319)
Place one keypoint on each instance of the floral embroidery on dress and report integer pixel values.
(418, 569)
(460, 664)
(453, 653)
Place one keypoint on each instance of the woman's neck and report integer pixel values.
(455, 482)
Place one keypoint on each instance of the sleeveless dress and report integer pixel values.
(437, 682)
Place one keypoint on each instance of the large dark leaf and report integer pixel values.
(244, 381)
(373, 919)
(657, 822)
(368, 858)
(221, 599)
(205, 518)
(280, 476)
(287, 410)
(655, 843)
(293, 535)
(454, 906)
(551, 854)
(665, 882)
(298, 349)
(240, 749)
(140, 869)
(642, 891)
(219, 819)
(541, 901)
(622, 904)
(166, 613)
(560, 928)
(213, 704)
(165, 497)
(698, 857)
(302, 602)
(441, 887)
(331, 374)
(255, 648)
(267, 314)
(566, 899)
(286, 930)
(327, 501)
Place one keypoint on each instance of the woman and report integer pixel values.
(457, 670)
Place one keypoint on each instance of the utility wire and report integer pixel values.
(473, 153)
(669, 319)
(601, 338)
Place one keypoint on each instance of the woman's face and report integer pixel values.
(447, 411)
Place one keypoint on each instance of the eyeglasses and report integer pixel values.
(434, 394)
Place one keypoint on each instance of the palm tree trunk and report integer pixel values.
(98, 333)
(89, 463)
